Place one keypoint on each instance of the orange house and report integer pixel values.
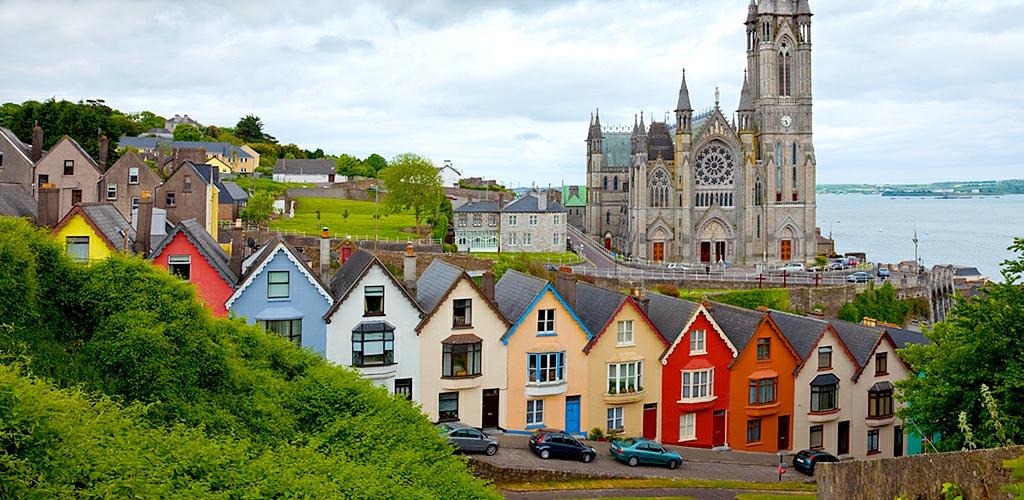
(761, 380)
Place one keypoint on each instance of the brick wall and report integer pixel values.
(503, 474)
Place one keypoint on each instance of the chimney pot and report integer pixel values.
(48, 207)
(37, 142)
(144, 223)
(487, 284)
(763, 308)
(409, 268)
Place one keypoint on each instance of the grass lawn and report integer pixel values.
(603, 484)
(553, 257)
(358, 224)
(250, 183)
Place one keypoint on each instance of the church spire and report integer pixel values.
(643, 128)
(684, 96)
(746, 101)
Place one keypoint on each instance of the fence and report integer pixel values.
(766, 280)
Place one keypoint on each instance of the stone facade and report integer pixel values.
(528, 224)
(708, 188)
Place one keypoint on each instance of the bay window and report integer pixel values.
(461, 360)
(880, 400)
(763, 391)
(625, 377)
(546, 368)
(698, 384)
(823, 392)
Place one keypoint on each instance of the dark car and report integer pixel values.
(805, 460)
(883, 272)
(465, 438)
(859, 277)
(636, 451)
(551, 443)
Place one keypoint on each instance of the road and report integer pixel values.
(702, 493)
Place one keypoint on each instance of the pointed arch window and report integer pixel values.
(615, 183)
(758, 191)
(796, 186)
(659, 188)
(785, 71)
(604, 183)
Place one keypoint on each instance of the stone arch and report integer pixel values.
(714, 241)
(789, 241)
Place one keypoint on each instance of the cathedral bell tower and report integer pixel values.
(595, 158)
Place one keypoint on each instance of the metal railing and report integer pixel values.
(770, 280)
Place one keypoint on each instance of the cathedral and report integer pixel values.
(712, 188)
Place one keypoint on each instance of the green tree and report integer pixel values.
(250, 129)
(980, 343)
(211, 133)
(878, 303)
(412, 182)
(259, 207)
(186, 132)
(149, 120)
(348, 165)
(375, 164)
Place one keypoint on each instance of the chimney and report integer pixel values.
(104, 150)
(144, 223)
(542, 202)
(707, 305)
(869, 321)
(237, 250)
(487, 284)
(643, 301)
(763, 309)
(48, 208)
(565, 285)
(325, 254)
(409, 268)
(37, 142)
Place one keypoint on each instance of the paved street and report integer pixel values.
(702, 493)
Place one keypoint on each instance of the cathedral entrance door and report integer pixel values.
(658, 253)
(719, 251)
(607, 243)
(705, 251)
(786, 250)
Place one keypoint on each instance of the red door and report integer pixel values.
(705, 251)
(659, 252)
(607, 243)
(718, 436)
(651, 420)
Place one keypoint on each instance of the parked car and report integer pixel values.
(852, 261)
(552, 443)
(793, 267)
(805, 460)
(550, 267)
(465, 438)
(859, 277)
(677, 266)
(636, 451)
(883, 272)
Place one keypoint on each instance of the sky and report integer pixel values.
(904, 91)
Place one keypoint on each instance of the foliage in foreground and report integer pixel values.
(168, 401)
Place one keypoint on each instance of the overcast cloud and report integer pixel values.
(905, 91)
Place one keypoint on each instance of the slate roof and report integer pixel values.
(615, 148)
(26, 149)
(205, 170)
(16, 201)
(478, 206)
(304, 167)
(859, 339)
(669, 314)
(903, 337)
(207, 246)
(801, 332)
(231, 193)
(595, 306)
(350, 272)
(515, 291)
(435, 282)
(108, 221)
(528, 203)
(574, 196)
(221, 148)
(659, 142)
(966, 271)
(737, 323)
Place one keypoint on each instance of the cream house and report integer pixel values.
(462, 358)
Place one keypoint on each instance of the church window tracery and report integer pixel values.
(659, 187)
(785, 71)
(715, 166)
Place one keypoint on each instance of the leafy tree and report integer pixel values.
(186, 132)
(293, 150)
(259, 207)
(376, 163)
(981, 343)
(250, 129)
(211, 133)
(149, 120)
(878, 303)
(412, 182)
(348, 165)
(80, 121)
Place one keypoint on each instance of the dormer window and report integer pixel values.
(463, 313)
(697, 339)
(824, 358)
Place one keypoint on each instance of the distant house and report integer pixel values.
(532, 224)
(15, 160)
(71, 170)
(190, 253)
(125, 181)
(450, 176)
(171, 123)
(92, 231)
(191, 193)
(281, 294)
(231, 199)
(574, 199)
(293, 170)
(222, 166)
(16, 200)
(476, 226)
(242, 159)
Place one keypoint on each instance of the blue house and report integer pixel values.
(279, 292)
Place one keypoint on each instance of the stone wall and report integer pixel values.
(339, 193)
(423, 259)
(979, 474)
(502, 474)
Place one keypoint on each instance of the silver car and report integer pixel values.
(467, 439)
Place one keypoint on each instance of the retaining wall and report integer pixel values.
(501, 474)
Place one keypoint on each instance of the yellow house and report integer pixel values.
(222, 166)
(547, 368)
(624, 376)
(92, 231)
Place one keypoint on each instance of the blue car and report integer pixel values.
(636, 451)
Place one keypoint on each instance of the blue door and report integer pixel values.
(572, 415)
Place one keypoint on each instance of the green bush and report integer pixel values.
(666, 289)
(772, 298)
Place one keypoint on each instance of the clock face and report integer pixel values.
(786, 120)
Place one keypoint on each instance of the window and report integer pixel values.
(511, 238)
(76, 196)
(373, 300)
(556, 238)
(764, 349)
(170, 199)
(492, 220)
(373, 348)
(608, 217)
(69, 167)
(512, 220)
(698, 384)
(545, 321)
(785, 72)
(448, 406)
(604, 183)
(687, 426)
(762, 391)
(533, 219)
(135, 202)
(881, 363)
(478, 220)
(180, 266)
(556, 219)
(277, 285)
(535, 412)
(872, 441)
(794, 162)
(1, 159)
(78, 248)
(624, 378)
(754, 430)
(187, 186)
(111, 191)
(461, 360)
(290, 329)
(625, 332)
(880, 400)
(697, 338)
(463, 312)
(823, 397)
(133, 175)
(403, 387)
(43, 179)
(615, 419)
(527, 239)
(615, 183)
(817, 436)
(462, 220)
(546, 367)
(824, 357)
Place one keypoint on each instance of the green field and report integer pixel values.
(358, 224)
(552, 257)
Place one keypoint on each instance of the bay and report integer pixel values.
(964, 231)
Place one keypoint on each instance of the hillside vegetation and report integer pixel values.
(116, 382)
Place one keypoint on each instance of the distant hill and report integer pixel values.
(952, 188)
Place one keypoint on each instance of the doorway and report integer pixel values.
(705, 251)
(784, 432)
(843, 444)
(607, 243)
(572, 415)
(786, 250)
(650, 420)
(718, 434)
(719, 251)
(490, 408)
(897, 441)
(658, 253)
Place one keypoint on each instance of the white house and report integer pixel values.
(449, 175)
(372, 325)
(292, 170)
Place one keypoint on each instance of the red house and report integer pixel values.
(695, 373)
(190, 253)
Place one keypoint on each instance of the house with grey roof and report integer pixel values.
(528, 224)
(302, 170)
(231, 200)
(190, 253)
(69, 168)
(16, 201)
(242, 159)
(15, 160)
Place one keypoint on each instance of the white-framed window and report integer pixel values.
(556, 238)
(133, 175)
(180, 266)
(535, 412)
(687, 426)
(111, 191)
(615, 420)
(527, 239)
(545, 321)
(624, 378)
(698, 384)
(557, 219)
(78, 248)
(533, 219)
(697, 342)
(511, 238)
(625, 332)
(545, 367)
(135, 202)
(512, 219)
(462, 220)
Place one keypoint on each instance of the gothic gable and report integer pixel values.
(716, 127)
